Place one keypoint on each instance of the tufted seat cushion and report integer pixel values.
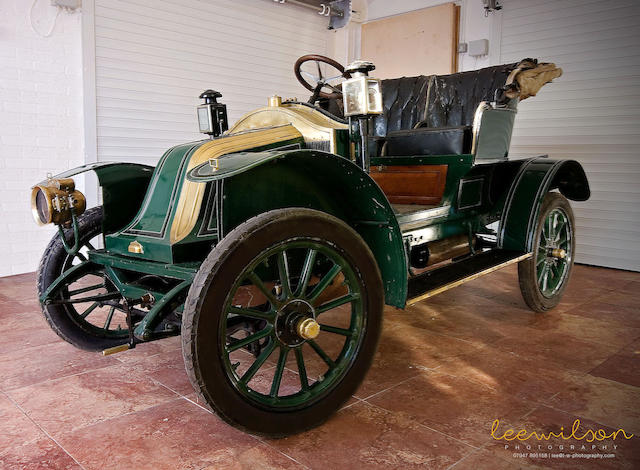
(453, 99)
(443, 104)
(404, 104)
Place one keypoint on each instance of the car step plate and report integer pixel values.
(452, 275)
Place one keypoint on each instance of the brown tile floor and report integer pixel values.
(444, 371)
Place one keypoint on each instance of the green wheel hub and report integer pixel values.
(288, 317)
(302, 309)
(554, 253)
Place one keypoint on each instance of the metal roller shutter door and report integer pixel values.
(590, 114)
(154, 57)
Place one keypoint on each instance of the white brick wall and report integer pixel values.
(40, 120)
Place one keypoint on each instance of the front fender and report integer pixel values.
(256, 182)
(123, 188)
(535, 178)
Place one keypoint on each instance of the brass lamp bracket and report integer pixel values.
(56, 201)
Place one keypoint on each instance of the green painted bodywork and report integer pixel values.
(287, 178)
(124, 185)
(231, 165)
(453, 221)
(468, 189)
(325, 182)
(521, 205)
(152, 223)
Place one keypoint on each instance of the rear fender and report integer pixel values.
(535, 178)
(123, 188)
(257, 183)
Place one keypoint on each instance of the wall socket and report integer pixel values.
(70, 4)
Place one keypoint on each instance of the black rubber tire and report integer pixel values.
(51, 266)
(208, 293)
(527, 268)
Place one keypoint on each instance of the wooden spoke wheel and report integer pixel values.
(282, 321)
(94, 324)
(545, 275)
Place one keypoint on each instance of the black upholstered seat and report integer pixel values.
(453, 98)
(429, 141)
(404, 104)
(433, 115)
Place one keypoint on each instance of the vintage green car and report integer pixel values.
(273, 245)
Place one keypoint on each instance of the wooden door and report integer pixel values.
(421, 42)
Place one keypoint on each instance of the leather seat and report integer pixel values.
(433, 115)
(404, 101)
(453, 98)
(429, 141)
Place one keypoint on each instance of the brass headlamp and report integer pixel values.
(56, 201)
(362, 96)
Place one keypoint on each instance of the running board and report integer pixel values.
(452, 275)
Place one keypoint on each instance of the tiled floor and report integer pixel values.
(445, 370)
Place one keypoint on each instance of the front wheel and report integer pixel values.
(544, 277)
(90, 325)
(282, 321)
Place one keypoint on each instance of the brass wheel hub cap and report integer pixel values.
(308, 328)
(296, 323)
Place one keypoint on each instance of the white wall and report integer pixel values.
(475, 25)
(40, 120)
(344, 43)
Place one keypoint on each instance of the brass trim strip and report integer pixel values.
(191, 193)
(417, 220)
(115, 349)
(313, 125)
(459, 282)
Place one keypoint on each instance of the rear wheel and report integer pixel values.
(544, 277)
(282, 321)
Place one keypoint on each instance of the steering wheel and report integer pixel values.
(320, 81)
